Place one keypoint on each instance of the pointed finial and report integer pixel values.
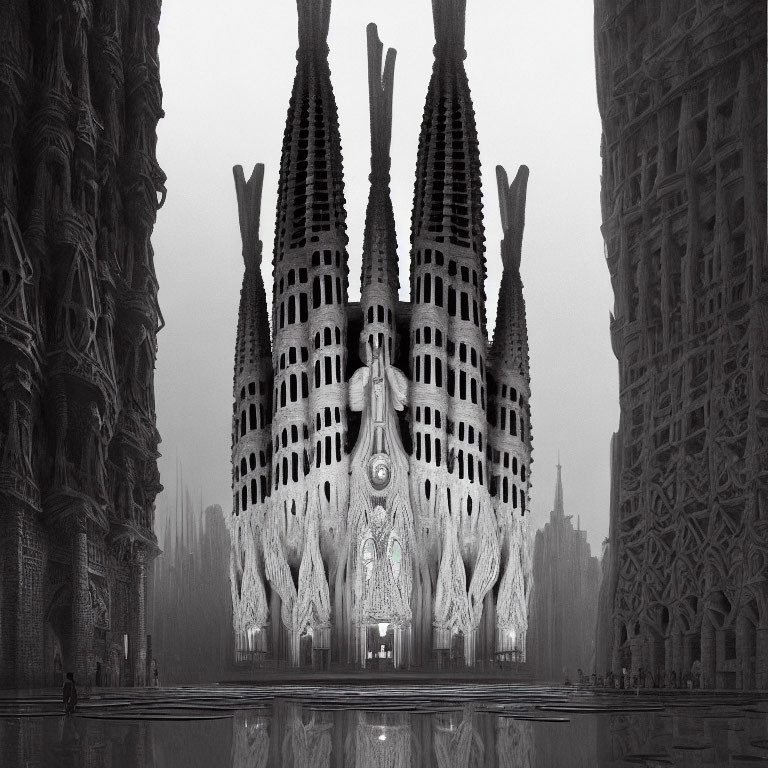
(449, 20)
(314, 20)
(512, 206)
(380, 89)
(249, 210)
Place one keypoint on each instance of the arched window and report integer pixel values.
(243, 467)
(254, 498)
(252, 417)
(244, 496)
(369, 555)
(396, 557)
(291, 310)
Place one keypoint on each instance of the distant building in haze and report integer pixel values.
(190, 609)
(563, 605)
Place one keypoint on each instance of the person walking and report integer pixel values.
(69, 694)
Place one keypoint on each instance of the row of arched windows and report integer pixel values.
(291, 278)
(427, 454)
(427, 377)
(282, 437)
(291, 315)
(428, 416)
(290, 471)
(322, 290)
(428, 296)
(291, 359)
(438, 336)
(326, 419)
(379, 314)
(288, 391)
(327, 337)
(329, 443)
(242, 469)
(328, 369)
(241, 499)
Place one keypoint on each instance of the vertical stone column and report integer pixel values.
(10, 591)
(636, 651)
(744, 650)
(668, 661)
(137, 616)
(81, 599)
(708, 653)
(761, 657)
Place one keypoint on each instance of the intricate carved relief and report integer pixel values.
(68, 225)
(684, 224)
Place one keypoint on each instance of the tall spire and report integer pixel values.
(559, 510)
(510, 339)
(379, 280)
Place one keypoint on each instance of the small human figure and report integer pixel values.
(69, 694)
(157, 679)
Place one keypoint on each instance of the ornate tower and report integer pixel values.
(251, 426)
(509, 454)
(684, 222)
(448, 345)
(79, 185)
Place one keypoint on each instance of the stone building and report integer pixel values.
(682, 96)
(381, 450)
(79, 184)
(563, 605)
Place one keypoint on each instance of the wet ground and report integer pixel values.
(408, 725)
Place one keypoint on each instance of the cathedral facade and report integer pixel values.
(381, 450)
(681, 90)
(80, 100)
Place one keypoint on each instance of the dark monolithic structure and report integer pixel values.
(563, 604)
(381, 450)
(79, 185)
(682, 96)
(189, 613)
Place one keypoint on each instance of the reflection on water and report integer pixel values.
(430, 727)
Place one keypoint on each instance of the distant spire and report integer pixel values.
(559, 508)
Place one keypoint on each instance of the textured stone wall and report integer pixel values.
(682, 96)
(79, 190)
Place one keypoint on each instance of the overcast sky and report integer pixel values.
(227, 69)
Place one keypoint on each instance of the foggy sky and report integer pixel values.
(227, 69)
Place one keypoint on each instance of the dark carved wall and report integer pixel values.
(682, 95)
(80, 99)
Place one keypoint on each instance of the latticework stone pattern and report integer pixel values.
(80, 100)
(381, 451)
(682, 95)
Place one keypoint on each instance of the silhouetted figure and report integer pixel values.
(69, 694)
(157, 681)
